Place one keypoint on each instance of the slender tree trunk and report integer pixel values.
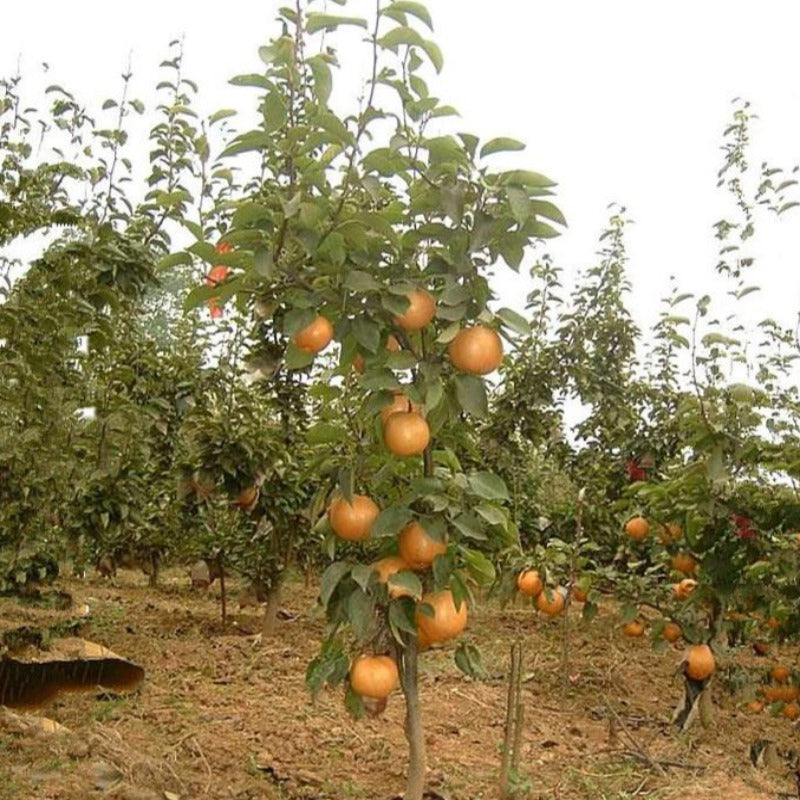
(415, 781)
(508, 732)
(270, 619)
(222, 592)
(409, 682)
(519, 716)
(512, 738)
(706, 707)
(154, 570)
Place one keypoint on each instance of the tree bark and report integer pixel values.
(222, 592)
(270, 619)
(512, 738)
(155, 565)
(508, 732)
(706, 707)
(415, 781)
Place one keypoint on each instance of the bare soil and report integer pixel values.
(221, 715)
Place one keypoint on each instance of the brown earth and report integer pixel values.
(222, 716)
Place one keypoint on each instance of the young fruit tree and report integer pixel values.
(365, 247)
(710, 532)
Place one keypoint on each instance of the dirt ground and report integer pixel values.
(221, 716)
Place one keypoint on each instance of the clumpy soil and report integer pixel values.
(222, 715)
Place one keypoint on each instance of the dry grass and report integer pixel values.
(219, 717)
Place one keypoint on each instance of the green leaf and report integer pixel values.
(443, 566)
(292, 205)
(297, 319)
(263, 263)
(408, 36)
(380, 379)
(251, 79)
(468, 659)
(401, 618)
(361, 612)
(492, 514)
(296, 358)
(323, 79)
(345, 483)
(471, 143)
(479, 566)
(390, 521)
(362, 575)
(717, 472)
(223, 113)
(454, 295)
(198, 296)
(515, 321)
(331, 124)
(501, 145)
(519, 202)
(415, 9)
(372, 185)
(542, 230)
(316, 21)
(590, 610)
(379, 223)
(247, 142)
(331, 579)
(173, 260)
(367, 333)
(275, 112)
(401, 35)
(718, 339)
(195, 229)
(329, 667)
(445, 111)
(354, 703)
(325, 433)
(358, 281)
(526, 178)
(544, 208)
(434, 53)
(396, 15)
(471, 395)
(453, 202)
(452, 313)
(445, 150)
(405, 579)
(434, 393)
(487, 486)
(401, 361)
(469, 526)
(460, 590)
(449, 333)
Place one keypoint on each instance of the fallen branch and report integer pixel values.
(640, 750)
(664, 762)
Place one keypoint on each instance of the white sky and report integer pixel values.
(619, 100)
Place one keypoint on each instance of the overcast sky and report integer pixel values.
(619, 100)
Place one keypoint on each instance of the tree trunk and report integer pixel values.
(222, 592)
(155, 565)
(415, 782)
(508, 729)
(512, 738)
(270, 619)
(706, 707)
